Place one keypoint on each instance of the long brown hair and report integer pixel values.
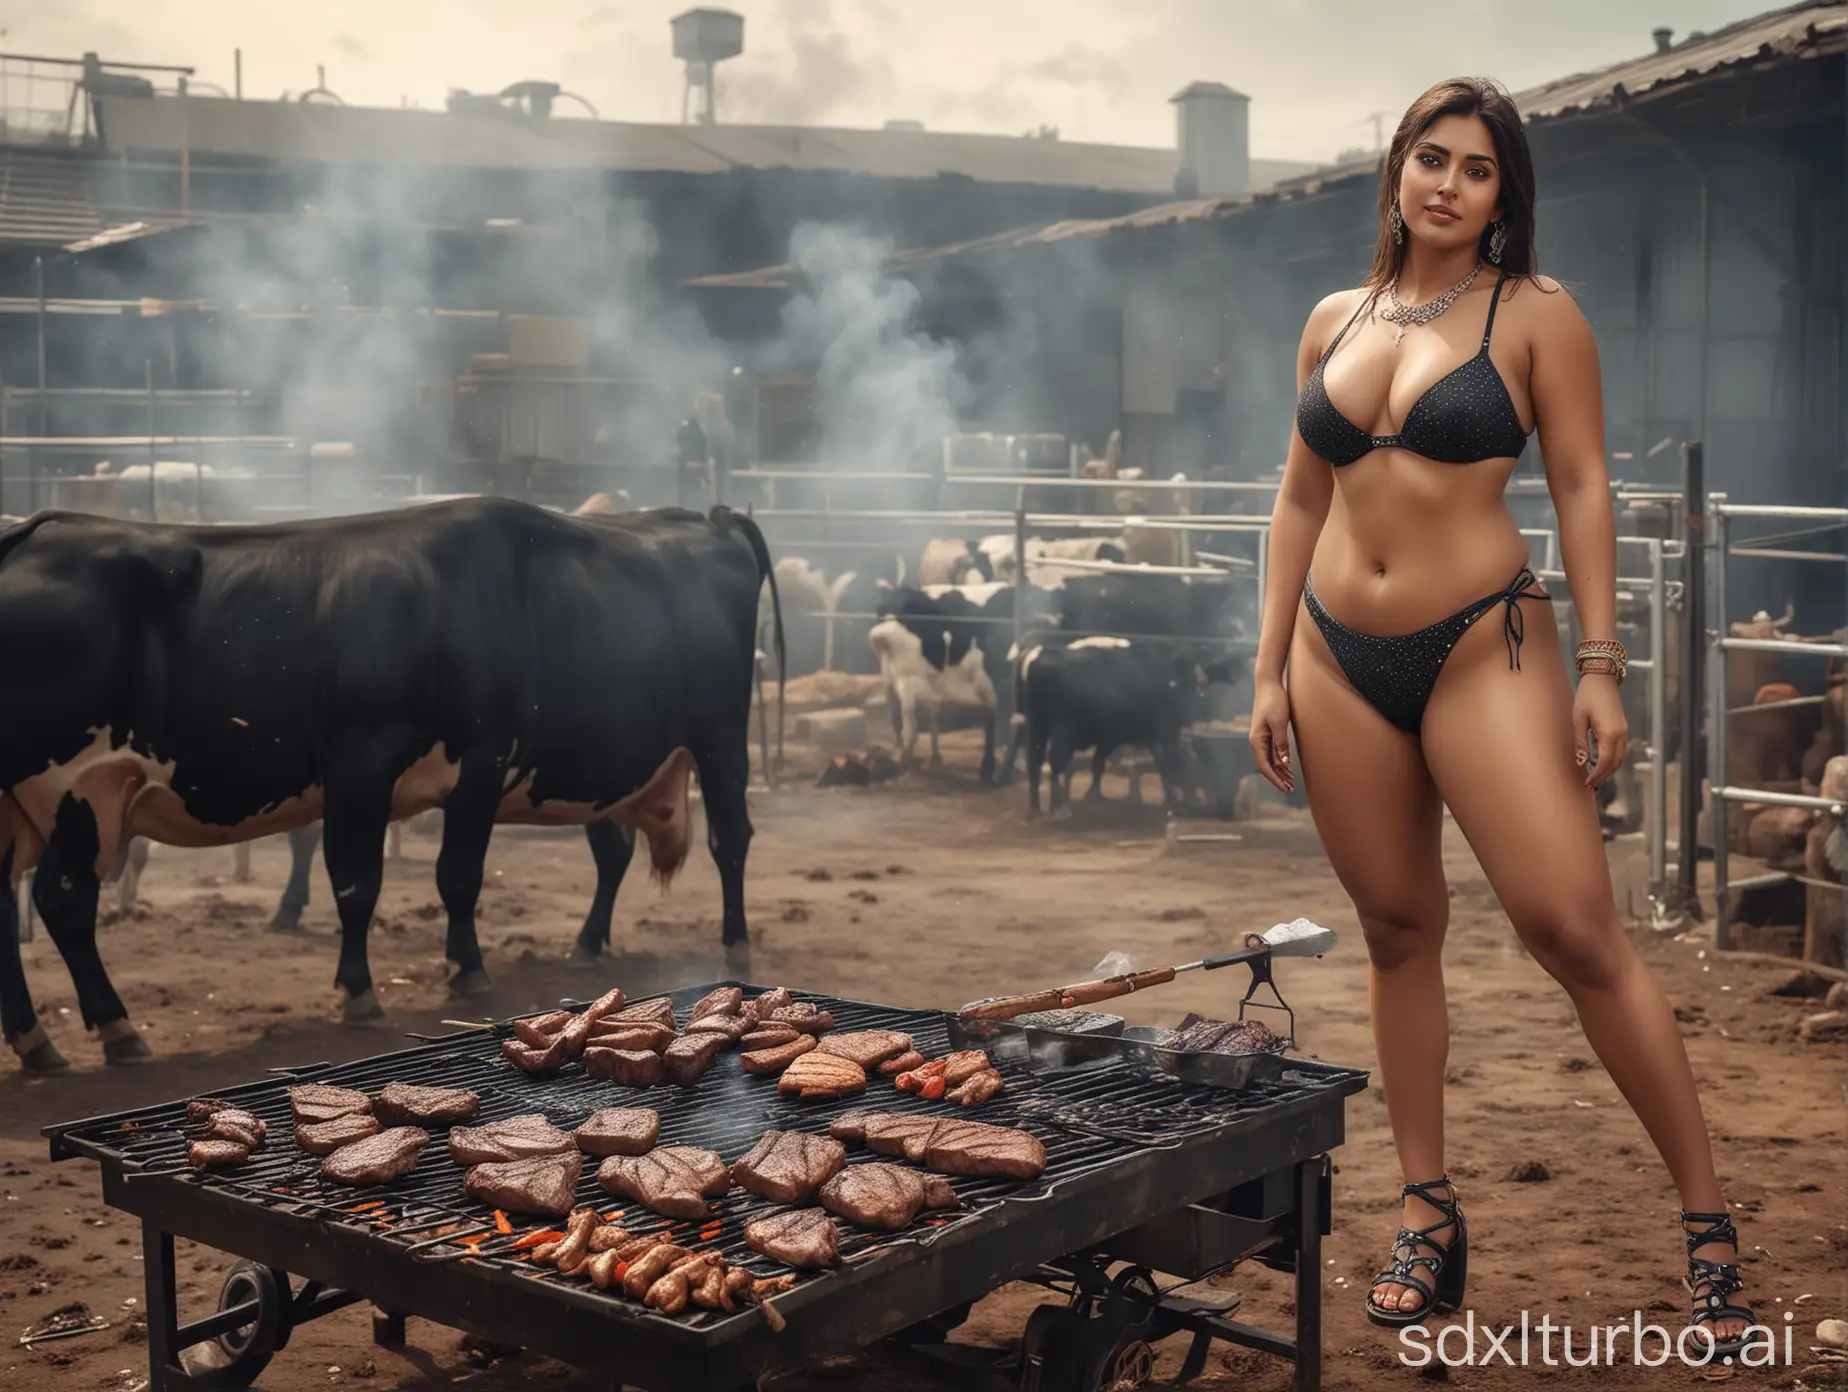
(1463, 96)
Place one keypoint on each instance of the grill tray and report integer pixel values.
(1122, 1145)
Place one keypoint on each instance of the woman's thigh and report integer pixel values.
(1375, 805)
(1499, 743)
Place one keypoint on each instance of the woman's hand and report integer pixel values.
(1270, 733)
(1597, 712)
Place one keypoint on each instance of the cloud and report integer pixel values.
(349, 47)
(1078, 66)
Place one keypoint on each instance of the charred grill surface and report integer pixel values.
(1091, 1121)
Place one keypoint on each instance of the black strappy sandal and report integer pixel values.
(1710, 1282)
(1448, 1268)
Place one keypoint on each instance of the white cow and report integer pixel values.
(919, 688)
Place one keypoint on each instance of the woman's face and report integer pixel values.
(1450, 188)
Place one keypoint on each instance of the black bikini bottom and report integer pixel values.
(1397, 674)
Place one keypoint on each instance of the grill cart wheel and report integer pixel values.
(1130, 1365)
(248, 1349)
(1094, 1344)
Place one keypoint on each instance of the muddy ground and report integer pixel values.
(927, 892)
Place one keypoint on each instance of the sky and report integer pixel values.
(1100, 70)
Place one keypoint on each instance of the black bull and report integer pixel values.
(609, 848)
(204, 686)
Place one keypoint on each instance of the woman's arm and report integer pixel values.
(1296, 521)
(1300, 510)
(1568, 402)
(1568, 408)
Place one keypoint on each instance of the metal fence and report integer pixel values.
(1720, 641)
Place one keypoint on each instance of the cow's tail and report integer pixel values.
(766, 570)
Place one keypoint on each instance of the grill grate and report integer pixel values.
(1086, 1118)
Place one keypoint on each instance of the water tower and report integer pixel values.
(702, 38)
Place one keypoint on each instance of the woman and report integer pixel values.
(1417, 390)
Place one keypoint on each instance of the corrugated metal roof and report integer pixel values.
(45, 201)
(324, 133)
(1811, 29)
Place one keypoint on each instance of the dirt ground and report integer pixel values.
(927, 892)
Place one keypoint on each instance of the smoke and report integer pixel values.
(821, 76)
(886, 393)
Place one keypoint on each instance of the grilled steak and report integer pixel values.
(804, 1016)
(806, 1238)
(959, 1068)
(882, 1196)
(201, 1108)
(867, 1048)
(788, 1167)
(769, 1037)
(1195, 1034)
(325, 1137)
(888, 1133)
(658, 1011)
(526, 1058)
(629, 1067)
(978, 1087)
(539, 1033)
(606, 1004)
(234, 1124)
(538, 1184)
(975, 1148)
(817, 1076)
(904, 1063)
(618, 1131)
(772, 1000)
(202, 1153)
(730, 1028)
(686, 1060)
(675, 1180)
(377, 1159)
(724, 1001)
(628, 1034)
(314, 1102)
(767, 1062)
(516, 1138)
(399, 1104)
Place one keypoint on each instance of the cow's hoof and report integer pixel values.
(44, 1058)
(127, 1048)
(363, 1010)
(286, 921)
(474, 982)
(583, 959)
(738, 960)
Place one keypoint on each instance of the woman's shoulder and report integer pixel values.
(1330, 314)
(1536, 289)
(1338, 305)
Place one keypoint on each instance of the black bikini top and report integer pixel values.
(1464, 417)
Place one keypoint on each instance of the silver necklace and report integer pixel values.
(1399, 313)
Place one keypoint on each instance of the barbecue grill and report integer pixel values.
(1169, 1175)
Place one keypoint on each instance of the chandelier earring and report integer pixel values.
(1498, 241)
(1397, 222)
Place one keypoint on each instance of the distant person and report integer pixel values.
(693, 463)
(710, 414)
(1402, 704)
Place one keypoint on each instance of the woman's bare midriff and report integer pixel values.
(1408, 541)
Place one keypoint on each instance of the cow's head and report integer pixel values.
(974, 567)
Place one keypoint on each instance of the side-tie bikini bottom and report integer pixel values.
(1397, 674)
